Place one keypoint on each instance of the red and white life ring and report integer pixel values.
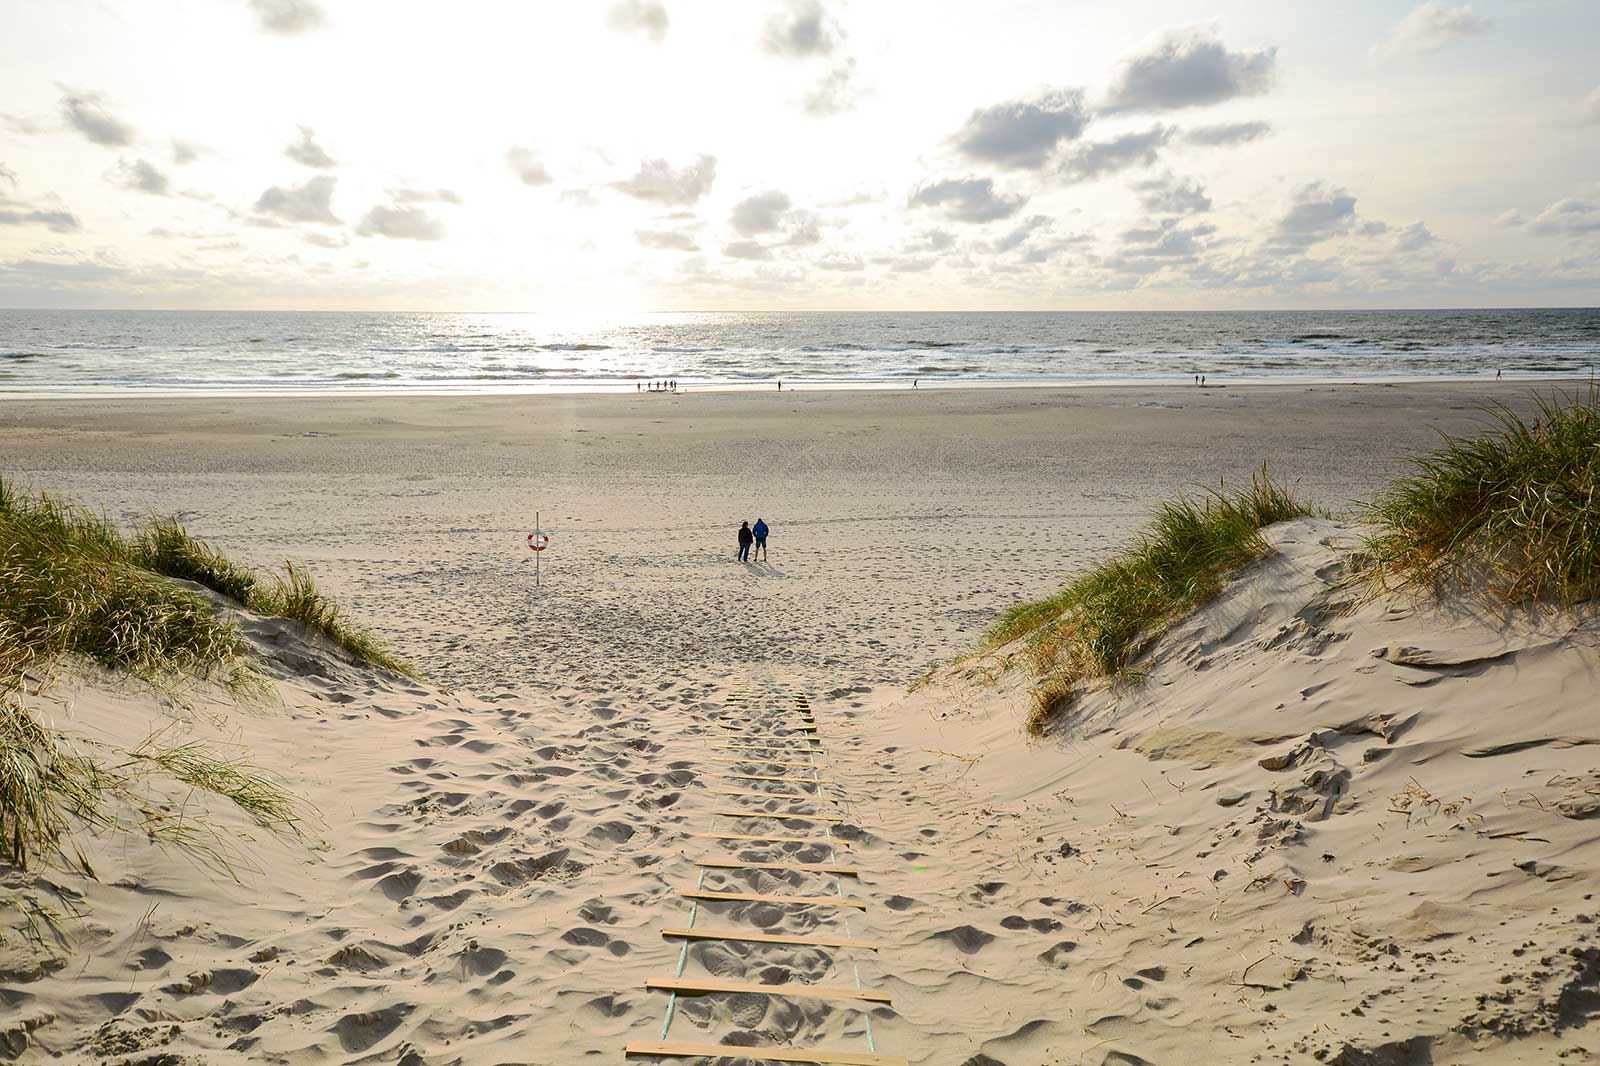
(538, 541)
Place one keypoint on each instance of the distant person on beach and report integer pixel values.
(780, 384)
(760, 531)
(745, 537)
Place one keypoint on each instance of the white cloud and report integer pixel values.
(1190, 67)
(1510, 218)
(55, 219)
(747, 250)
(1316, 212)
(639, 16)
(139, 176)
(308, 153)
(1096, 159)
(1021, 134)
(86, 112)
(401, 223)
(968, 199)
(311, 202)
(801, 31)
(1227, 134)
(527, 166)
(1413, 238)
(1570, 217)
(667, 240)
(1591, 108)
(424, 196)
(1430, 27)
(834, 94)
(186, 152)
(658, 181)
(288, 16)
(761, 213)
(1171, 195)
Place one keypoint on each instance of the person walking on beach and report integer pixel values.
(760, 532)
(745, 537)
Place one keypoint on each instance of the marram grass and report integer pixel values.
(1105, 618)
(1513, 513)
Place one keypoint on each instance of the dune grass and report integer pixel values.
(72, 583)
(1513, 513)
(1105, 618)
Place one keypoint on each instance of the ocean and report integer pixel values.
(164, 352)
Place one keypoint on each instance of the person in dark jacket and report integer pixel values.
(745, 537)
(760, 531)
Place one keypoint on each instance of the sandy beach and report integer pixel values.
(497, 848)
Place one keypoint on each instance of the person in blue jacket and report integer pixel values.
(760, 531)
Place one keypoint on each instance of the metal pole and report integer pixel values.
(538, 532)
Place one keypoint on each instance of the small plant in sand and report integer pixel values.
(1105, 618)
(1514, 512)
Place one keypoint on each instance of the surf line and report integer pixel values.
(770, 710)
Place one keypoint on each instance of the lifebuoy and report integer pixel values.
(538, 541)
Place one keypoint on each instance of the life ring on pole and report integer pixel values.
(538, 541)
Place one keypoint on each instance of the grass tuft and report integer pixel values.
(1514, 512)
(1105, 618)
(41, 784)
(296, 596)
(165, 547)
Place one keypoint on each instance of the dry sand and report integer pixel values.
(496, 849)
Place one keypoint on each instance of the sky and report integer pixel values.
(624, 155)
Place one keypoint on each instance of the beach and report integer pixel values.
(497, 846)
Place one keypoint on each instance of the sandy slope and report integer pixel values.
(1363, 837)
(496, 850)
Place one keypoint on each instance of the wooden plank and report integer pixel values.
(778, 840)
(780, 815)
(740, 723)
(766, 795)
(762, 777)
(814, 867)
(757, 897)
(770, 762)
(783, 749)
(703, 933)
(703, 985)
(810, 1056)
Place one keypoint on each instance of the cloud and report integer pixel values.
(528, 167)
(288, 16)
(1510, 218)
(968, 199)
(1569, 217)
(579, 197)
(86, 112)
(1021, 134)
(1227, 134)
(57, 221)
(1316, 212)
(326, 240)
(311, 202)
(308, 153)
(1019, 235)
(1170, 195)
(1189, 67)
(8, 175)
(747, 250)
(661, 183)
(667, 240)
(1591, 108)
(424, 196)
(639, 16)
(834, 94)
(1099, 158)
(401, 223)
(840, 262)
(801, 31)
(761, 213)
(140, 176)
(933, 240)
(1413, 238)
(1429, 28)
(1168, 239)
(186, 152)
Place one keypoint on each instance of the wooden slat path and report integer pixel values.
(759, 897)
(758, 836)
(767, 795)
(707, 985)
(703, 933)
(799, 816)
(809, 1056)
(771, 762)
(810, 867)
(781, 777)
